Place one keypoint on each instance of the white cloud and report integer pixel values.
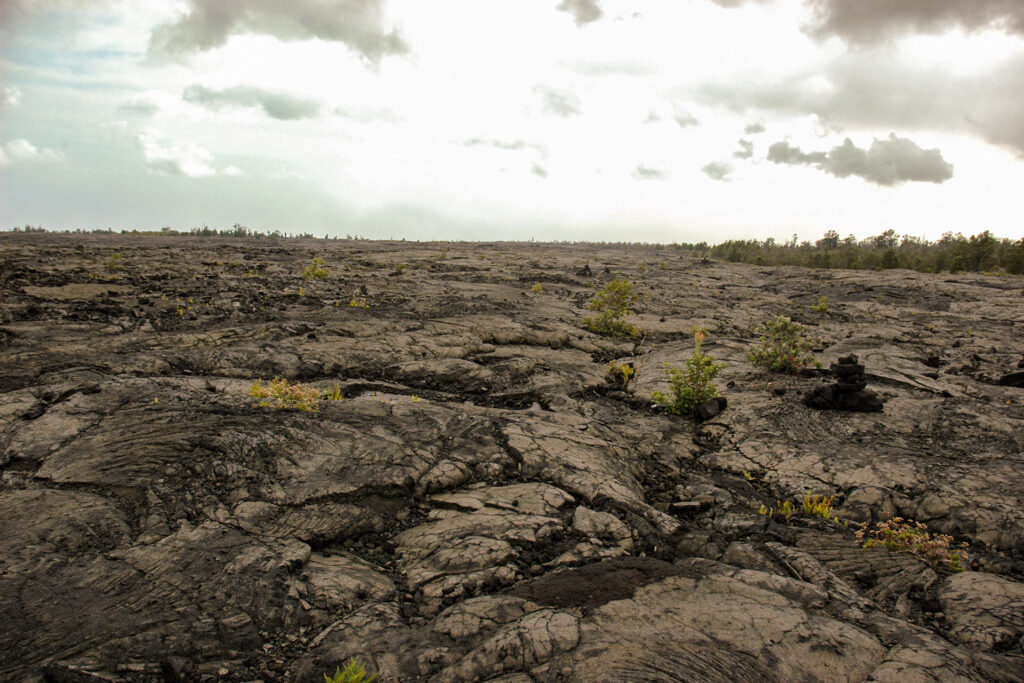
(173, 158)
(277, 105)
(22, 151)
(9, 96)
(208, 24)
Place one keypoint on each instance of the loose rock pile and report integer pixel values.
(848, 393)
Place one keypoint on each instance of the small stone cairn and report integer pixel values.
(848, 393)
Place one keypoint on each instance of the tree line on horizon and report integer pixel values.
(952, 253)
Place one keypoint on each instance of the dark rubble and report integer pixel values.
(484, 504)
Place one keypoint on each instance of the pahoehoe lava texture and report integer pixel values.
(485, 503)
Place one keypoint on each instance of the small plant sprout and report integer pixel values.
(785, 510)
(357, 302)
(354, 672)
(898, 534)
(537, 288)
(620, 372)
(114, 263)
(747, 475)
(821, 306)
(688, 390)
(315, 270)
(280, 393)
(334, 393)
(611, 304)
(302, 292)
(783, 347)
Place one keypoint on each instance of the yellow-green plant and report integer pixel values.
(334, 393)
(354, 672)
(688, 390)
(906, 534)
(821, 306)
(315, 270)
(620, 373)
(114, 263)
(820, 506)
(537, 288)
(358, 303)
(785, 510)
(783, 347)
(611, 304)
(280, 393)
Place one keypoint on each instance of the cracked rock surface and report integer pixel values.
(475, 496)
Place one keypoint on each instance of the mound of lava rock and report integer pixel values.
(850, 391)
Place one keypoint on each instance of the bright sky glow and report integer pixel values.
(510, 119)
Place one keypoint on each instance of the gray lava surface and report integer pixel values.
(482, 500)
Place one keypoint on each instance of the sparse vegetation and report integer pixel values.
(817, 506)
(620, 372)
(783, 347)
(537, 288)
(114, 263)
(315, 270)
(358, 302)
(611, 304)
(910, 536)
(688, 390)
(821, 306)
(354, 672)
(280, 393)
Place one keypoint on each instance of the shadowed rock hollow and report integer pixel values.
(486, 503)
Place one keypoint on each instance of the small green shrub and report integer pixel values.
(537, 288)
(783, 347)
(821, 306)
(114, 263)
(611, 304)
(695, 386)
(354, 672)
(280, 393)
(315, 270)
(900, 534)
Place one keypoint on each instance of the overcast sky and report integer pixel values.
(659, 121)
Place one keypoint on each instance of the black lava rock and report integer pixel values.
(708, 409)
(849, 393)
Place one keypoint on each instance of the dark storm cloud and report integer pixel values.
(584, 11)
(872, 21)
(643, 172)
(754, 128)
(872, 89)
(207, 24)
(274, 104)
(746, 149)
(784, 153)
(887, 162)
(718, 170)
(558, 102)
